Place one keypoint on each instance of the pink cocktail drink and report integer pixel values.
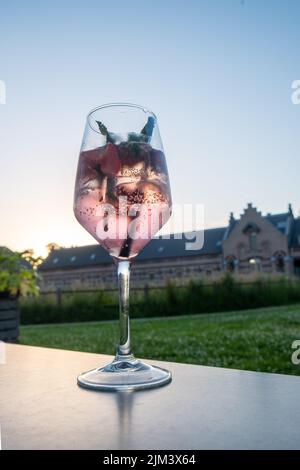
(122, 195)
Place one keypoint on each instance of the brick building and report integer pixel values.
(253, 243)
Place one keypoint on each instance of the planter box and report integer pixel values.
(9, 320)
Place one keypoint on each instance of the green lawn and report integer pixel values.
(253, 339)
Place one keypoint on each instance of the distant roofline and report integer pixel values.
(172, 235)
(81, 256)
(162, 237)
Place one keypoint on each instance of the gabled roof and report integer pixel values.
(280, 221)
(284, 222)
(93, 255)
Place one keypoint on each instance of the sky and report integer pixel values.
(217, 74)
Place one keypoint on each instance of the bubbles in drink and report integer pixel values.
(122, 195)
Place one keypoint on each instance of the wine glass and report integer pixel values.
(122, 198)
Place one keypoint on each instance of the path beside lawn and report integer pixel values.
(258, 340)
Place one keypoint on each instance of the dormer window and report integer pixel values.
(281, 225)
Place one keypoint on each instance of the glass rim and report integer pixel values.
(118, 104)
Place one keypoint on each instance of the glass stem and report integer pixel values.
(123, 283)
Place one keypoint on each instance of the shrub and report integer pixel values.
(196, 297)
(15, 277)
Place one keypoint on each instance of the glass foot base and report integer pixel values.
(125, 373)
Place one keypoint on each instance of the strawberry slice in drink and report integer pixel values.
(109, 161)
(104, 159)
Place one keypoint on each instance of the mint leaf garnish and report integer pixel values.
(143, 136)
(102, 128)
(148, 128)
(104, 131)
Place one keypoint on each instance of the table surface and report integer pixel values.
(41, 407)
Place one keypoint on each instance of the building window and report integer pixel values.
(279, 263)
(251, 230)
(253, 241)
(230, 265)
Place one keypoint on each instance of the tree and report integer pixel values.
(52, 246)
(15, 277)
(29, 257)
